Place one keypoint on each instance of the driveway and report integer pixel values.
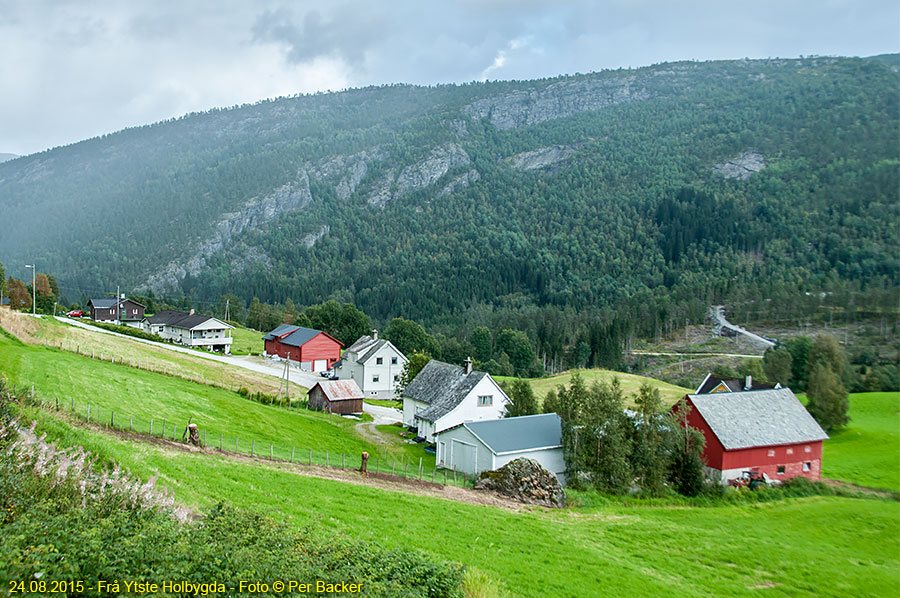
(248, 362)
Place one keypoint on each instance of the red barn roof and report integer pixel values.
(339, 390)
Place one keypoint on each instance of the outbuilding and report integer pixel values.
(336, 396)
(314, 350)
(767, 431)
(473, 447)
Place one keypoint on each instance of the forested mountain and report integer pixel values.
(654, 190)
(5, 157)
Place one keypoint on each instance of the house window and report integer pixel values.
(807, 466)
(375, 378)
(379, 361)
(485, 400)
(393, 361)
(807, 449)
(396, 378)
(780, 469)
(790, 451)
(771, 452)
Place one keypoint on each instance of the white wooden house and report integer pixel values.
(473, 447)
(374, 364)
(443, 395)
(190, 329)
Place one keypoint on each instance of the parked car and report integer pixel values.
(75, 313)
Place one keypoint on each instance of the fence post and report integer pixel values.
(420, 468)
(57, 402)
(163, 434)
(292, 454)
(271, 451)
(89, 413)
(112, 419)
(326, 458)
(174, 431)
(377, 461)
(406, 472)
(151, 426)
(131, 424)
(220, 441)
(235, 443)
(252, 446)
(342, 460)
(73, 403)
(432, 475)
(204, 437)
(392, 466)
(445, 477)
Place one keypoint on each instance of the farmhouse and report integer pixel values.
(190, 329)
(768, 431)
(473, 447)
(336, 396)
(714, 384)
(442, 396)
(118, 310)
(374, 364)
(315, 350)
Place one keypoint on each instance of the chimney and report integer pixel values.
(748, 382)
(190, 313)
(467, 365)
(374, 334)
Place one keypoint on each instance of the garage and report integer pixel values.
(462, 457)
(320, 365)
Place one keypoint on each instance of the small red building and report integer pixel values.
(316, 351)
(768, 431)
(336, 396)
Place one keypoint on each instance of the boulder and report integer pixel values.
(526, 481)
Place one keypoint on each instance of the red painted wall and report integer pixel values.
(791, 456)
(318, 347)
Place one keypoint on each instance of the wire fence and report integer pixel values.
(382, 462)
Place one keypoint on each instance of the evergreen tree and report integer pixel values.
(521, 399)
(411, 369)
(777, 364)
(482, 343)
(685, 445)
(649, 455)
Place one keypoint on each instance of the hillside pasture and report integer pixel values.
(817, 546)
(630, 383)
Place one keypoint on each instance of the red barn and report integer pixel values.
(315, 350)
(768, 431)
(336, 396)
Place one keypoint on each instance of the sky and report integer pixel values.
(75, 69)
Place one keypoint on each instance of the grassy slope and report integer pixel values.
(867, 451)
(142, 395)
(630, 383)
(246, 341)
(801, 547)
(52, 332)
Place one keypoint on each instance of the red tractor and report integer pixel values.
(750, 479)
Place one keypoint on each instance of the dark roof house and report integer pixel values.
(715, 384)
(442, 387)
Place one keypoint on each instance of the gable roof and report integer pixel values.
(732, 384)
(181, 319)
(339, 390)
(361, 344)
(295, 336)
(441, 386)
(757, 418)
(517, 434)
(108, 302)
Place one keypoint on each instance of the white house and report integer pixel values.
(473, 447)
(190, 329)
(442, 396)
(374, 364)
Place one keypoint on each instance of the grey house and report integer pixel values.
(473, 447)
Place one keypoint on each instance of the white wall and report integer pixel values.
(469, 411)
(364, 374)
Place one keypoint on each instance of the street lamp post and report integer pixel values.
(33, 291)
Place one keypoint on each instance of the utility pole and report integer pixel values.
(227, 301)
(33, 291)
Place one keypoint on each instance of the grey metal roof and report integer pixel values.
(733, 384)
(340, 390)
(180, 319)
(360, 344)
(514, 434)
(104, 303)
(757, 418)
(296, 335)
(442, 386)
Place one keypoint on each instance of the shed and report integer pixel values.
(473, 447)
(336, 396)
(316, 351)
(768, 431)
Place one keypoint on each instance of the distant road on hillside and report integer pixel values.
(687, 355)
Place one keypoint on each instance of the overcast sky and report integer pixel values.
(73, 69)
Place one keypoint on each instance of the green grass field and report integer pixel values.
(630, 383)
(246, 341)
(867, 451)
(819, 546)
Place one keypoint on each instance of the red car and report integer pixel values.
(75, 313)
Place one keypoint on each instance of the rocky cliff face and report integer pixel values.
(420, 175)
(346, 172)
(257, 213)
(741, 167)
(542, 157)
(523, 108)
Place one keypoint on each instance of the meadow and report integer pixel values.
(630, 383)
(815, 546)
(867, 451)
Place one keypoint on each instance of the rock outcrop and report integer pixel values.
(541, 158)
(420, 175)
(256, 213)
(741, 167)
(460, 182)
(526, 481)
(523, 108)
(345, 172)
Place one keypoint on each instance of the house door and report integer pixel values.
(442, 450)
(320, 365)
(463, 456)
